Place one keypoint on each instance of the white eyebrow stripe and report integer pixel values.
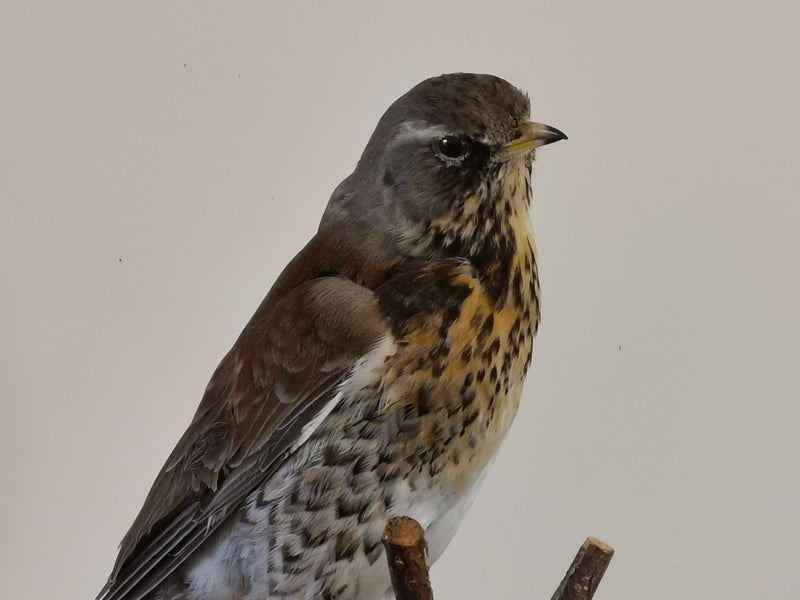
(416, 130)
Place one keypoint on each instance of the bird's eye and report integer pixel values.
(453, 147)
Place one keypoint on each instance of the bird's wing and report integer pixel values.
(284, 368)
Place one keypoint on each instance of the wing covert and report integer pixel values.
(285, 366)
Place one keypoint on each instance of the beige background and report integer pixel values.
(161, 161)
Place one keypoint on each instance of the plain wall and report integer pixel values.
(160, 162)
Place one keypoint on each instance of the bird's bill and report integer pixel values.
(532, 136)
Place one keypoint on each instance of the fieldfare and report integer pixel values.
(377, 378)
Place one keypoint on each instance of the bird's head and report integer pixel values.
(447, 166)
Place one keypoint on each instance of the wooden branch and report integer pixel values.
(406, 551)
(587, 569)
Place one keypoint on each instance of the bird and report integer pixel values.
(378, 377)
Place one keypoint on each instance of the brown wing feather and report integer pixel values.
(286, 364)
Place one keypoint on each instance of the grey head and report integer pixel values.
(448, 139)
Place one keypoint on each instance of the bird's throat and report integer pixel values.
(492, 229)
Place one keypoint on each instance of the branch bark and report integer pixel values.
(406, 551)
(587, 569)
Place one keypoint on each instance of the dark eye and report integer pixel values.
(453, 147)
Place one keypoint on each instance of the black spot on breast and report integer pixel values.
(468, 396)
(440, 430)
(516, 286)
(333, 455)
(387, 472)
(469, 419)
(515, 328)
(347, 506)
(486, 330)
(368, 430)
(466, 355)
(434, 468)
(491, 351)
(507, 362)
(437, 369)
(362, 464)
(373, 549)
(313, 539)
(289, 555)
(372, 410)
(367, 509)
(425, 403)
